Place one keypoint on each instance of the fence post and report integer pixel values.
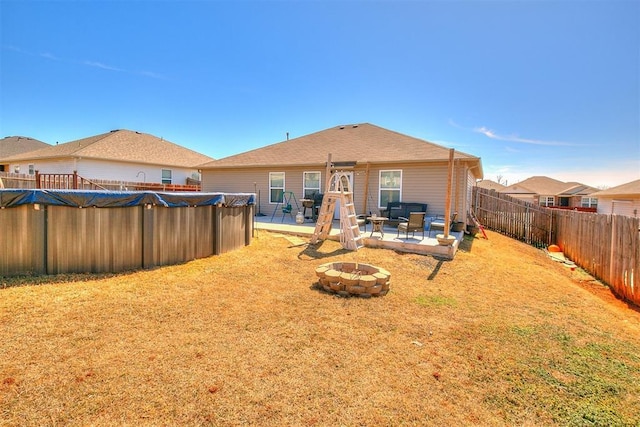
(549, 242)
(217, 229)
(248, 224)
(526, 225)
(614, 237)
(148, 215)
(38, 179)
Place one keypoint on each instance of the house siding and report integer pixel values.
(622, 206)
(100, 169)
(47, 166)
(422, 183)
(250, 180)
(111, 170)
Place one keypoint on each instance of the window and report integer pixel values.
(589, 202)
(547, 201)
(166, 176)
(311, 184)
(32, 169)
(276, 187)
(390, 187)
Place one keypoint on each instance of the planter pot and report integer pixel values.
(457, 226)
(445, 241)
(473, 230)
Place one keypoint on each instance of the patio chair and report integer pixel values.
(362, 222)
(438, 223)
(414, 223)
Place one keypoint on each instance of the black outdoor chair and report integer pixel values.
(317, 203)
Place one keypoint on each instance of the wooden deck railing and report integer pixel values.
(575, 208)
(65, 181)
(69, 181)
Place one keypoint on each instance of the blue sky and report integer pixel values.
(532, 87)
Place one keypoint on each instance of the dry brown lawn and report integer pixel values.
(501, 335)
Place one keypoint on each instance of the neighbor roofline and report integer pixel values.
(105, 159)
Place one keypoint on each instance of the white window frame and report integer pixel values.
(544, 201)
(381, 188)
(273, 187)
(311, 189)
(589, 202)
(167, 180)
(32, 169)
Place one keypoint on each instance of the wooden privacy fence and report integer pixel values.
(16, 180)
(606, 246)
(39, 239)
(513, 217)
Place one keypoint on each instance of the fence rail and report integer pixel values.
(606, 246)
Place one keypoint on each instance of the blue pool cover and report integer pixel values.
(111, 199)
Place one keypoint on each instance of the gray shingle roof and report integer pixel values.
(490, 185)
(543, 185)
(121, 145)
(362, 143)
(15, 145)
(630, 189)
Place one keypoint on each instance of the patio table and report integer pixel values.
(377, 224)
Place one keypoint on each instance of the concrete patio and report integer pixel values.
(414, 244)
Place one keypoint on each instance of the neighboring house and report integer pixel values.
(545, 191)
(384, 165)
(487, 184)
(119, 155)
(621, 200)
(16, 145)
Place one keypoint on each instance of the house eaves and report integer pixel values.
(336, 165)
(628, 190)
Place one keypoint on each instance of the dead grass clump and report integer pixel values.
(499, 336)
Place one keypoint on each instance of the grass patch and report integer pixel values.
(435, 301)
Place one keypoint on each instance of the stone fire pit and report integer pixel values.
(349, 278)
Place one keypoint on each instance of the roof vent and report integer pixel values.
(341, 127)
(115, 130)
(355, 126)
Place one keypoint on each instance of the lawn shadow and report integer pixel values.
(466, 243)
(312, 251)
(47, 279)
(436, 269)
(433, 262)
